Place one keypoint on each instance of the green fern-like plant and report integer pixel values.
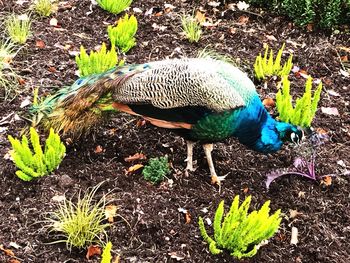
(305, 107)
(239, 232)
(114, 6)
(156, 169)
(97, 62)
(266, 66)
(106, 254)
(34, 163)
(123, 34)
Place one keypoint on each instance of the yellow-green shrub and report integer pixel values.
(114, 6)
(266, 66)
(97, 62)
(305, 107)
(106, 254)
(122, 35)
(36, 163)
(240, 233)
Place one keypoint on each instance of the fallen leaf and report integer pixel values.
(344, 58)
(39, 43)
(140, 123)
(294, 238)
(245, 190)
(25, 102)
(136, 156)
(242, 20)
(14, 245)
(93, 250)
(301, 194)
(188, 217)
(241, 5)
(134, 168)
(330, 111)
(310, 27)
(327, 180)
(117, 259)
(200, 17)
(271, 37)
(344, 73)
(52, 69)
(13, 260)
(160, 28)
(137, 10)
(110, 212)
(8, 252)
(175, 255)
(333, 93)
(58, 198)
(21, 81)
(294, 213)
(98, 149)
(53, 22)
(269, 102)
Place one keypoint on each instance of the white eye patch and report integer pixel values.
(294, 137)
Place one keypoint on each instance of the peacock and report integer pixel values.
(203, 100)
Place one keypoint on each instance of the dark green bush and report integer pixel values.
(322, 13)
(156, 170)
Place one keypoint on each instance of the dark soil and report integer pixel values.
(155, 228)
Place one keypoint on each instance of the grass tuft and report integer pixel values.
(18, 28)
(191, 27)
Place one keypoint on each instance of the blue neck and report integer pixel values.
(255, 128)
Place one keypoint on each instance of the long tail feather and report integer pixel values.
(74, 110)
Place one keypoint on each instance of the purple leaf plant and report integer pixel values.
(303, 165)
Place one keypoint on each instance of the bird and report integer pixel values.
(204, 100)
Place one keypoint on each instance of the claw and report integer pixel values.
(217, 179)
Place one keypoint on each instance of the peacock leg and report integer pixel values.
(208, 148)
(189, 158)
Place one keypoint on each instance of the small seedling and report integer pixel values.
(305, 107)
(41, 162)
(156, 169)
(123, 34)
(18, 28)
(239, 232)
(106, 254)
(97, 62)
(44, 7)
(267, 67)
(80, 224)
(191, 27)
(114, 6)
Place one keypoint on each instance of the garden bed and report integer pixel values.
(151, 227)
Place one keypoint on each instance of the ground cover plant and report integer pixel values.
(161, 220)
(18, 28)
(44, 7)
(114, 6)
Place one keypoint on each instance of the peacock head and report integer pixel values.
(289, 133)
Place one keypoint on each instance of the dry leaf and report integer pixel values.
(140, 123)
(98, 149)
(134, 168)
(310, 27)
(25, 102)
(52, 69)
(39, 43)
(14, 245)
(271, 37)
(53, 22)
(344, 73)
(93, 250)
(117, 259)
(58, 198)
(242, 20)
(136, 156)
(8, 252)
(330, 111)
(327, 180)
(294, 213)
(188, 217)
(245, 190)
(344, 58)
(269, 102)
(175, 255)
(13, 260)
(200, 17)
(110, 212)
(241, 5)
(21, 81)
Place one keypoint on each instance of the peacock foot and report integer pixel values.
(217, 179)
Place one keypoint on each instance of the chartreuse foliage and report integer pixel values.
(106, 254)
(305, 107)
(36, 163)
(114, 6)
(44, 7)
(156, 169)
(97, 62)
(239, 232)
(123, 34)
(191, 27)
(18, 28)
(80, 224)
(266, 66)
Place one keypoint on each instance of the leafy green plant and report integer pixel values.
(266, 66)
(41, 162)
(123, 34)
(106, 254)
(114, 6)
(81, 224)
(8, 77)
(44, 7)
(156, 169)
(97, 62)
(191, 27)
(239, 232)
(18, 28)
(305, 107)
